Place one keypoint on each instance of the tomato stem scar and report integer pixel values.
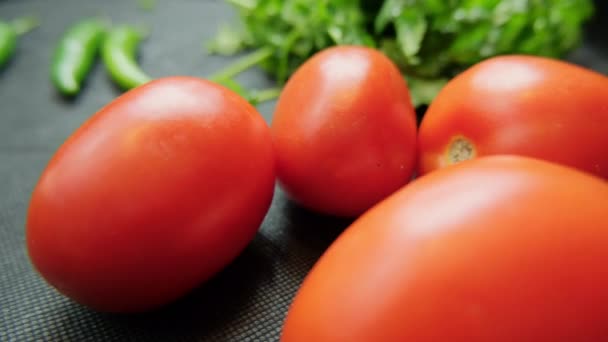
(460, 149)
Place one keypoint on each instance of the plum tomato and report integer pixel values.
(499, 248)
(152, 196)
(524, 105)
(344, 131)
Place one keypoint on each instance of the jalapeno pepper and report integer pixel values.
(8, 42)
(119, 56)
(9, 33)
(75, 55)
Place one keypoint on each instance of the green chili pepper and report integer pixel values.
(75, 55)
(9, 33)
(119, 55)
(8, 42)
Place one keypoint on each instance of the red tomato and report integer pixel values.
(521, 105)
(153, 195)
(344, 131)
(500, 248)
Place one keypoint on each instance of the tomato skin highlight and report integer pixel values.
(500, 248)
(344, 131)
(522, 105)
(152, 196)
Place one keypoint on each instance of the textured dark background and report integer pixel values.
(245, 302)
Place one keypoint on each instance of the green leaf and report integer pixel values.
(390, 10)
(466, 48)
(411, 27)
(509, 33)
(430, 40)
(424, 91)
(227, 42)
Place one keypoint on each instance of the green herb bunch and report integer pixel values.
(430, 40)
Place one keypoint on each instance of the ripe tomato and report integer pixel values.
(501, 248)
(521, 105)
(153, 195)
(344, 131)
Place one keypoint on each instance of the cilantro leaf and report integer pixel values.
(429, 40)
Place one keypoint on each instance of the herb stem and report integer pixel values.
(24, 25)
(244, 4)
(242, 64)
(269, 94)
(146, 5)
